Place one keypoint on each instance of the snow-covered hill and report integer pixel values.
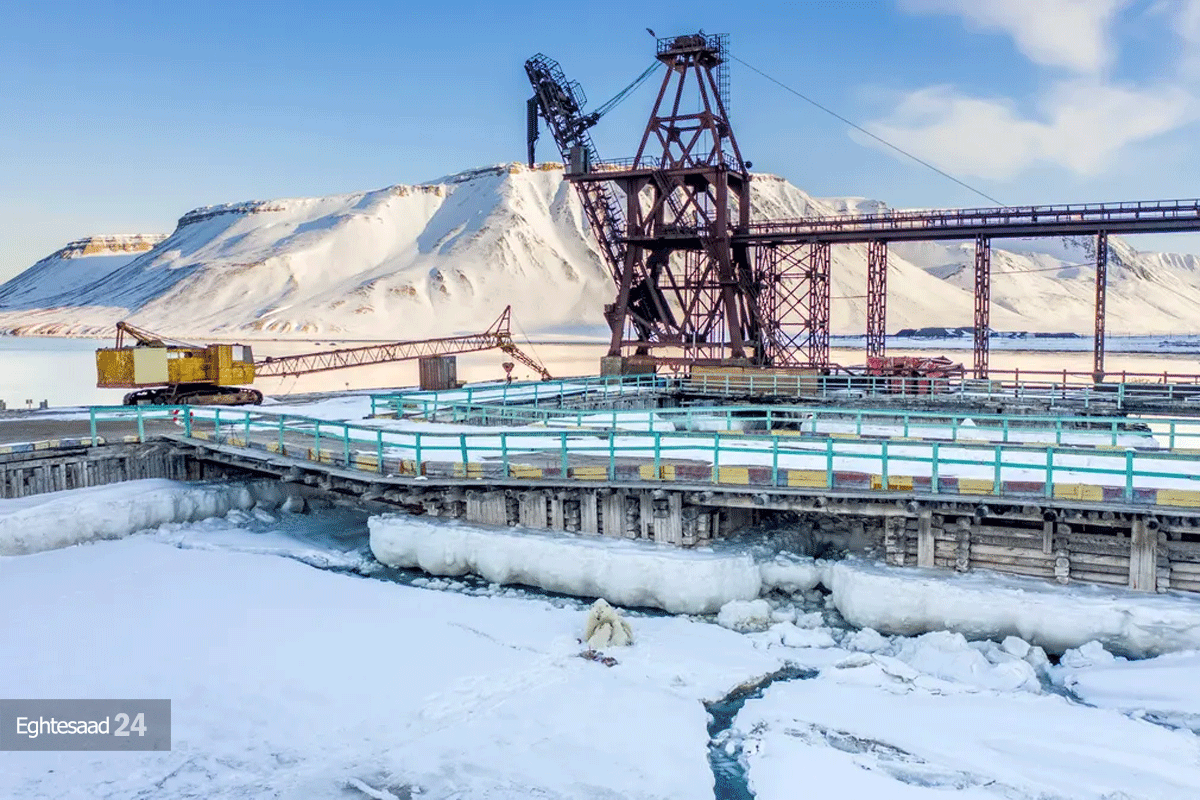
(413, 261)
(57, 279)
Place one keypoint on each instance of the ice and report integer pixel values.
(313, 683)
(1165, 686)
(628, 573)
(61, 519)
(1091, 654)
(866, 640)
(859, 730)
(745, 615)
(791, 574)
(295, 683)
(989, 606)
(791, 635)
(949, 656)
(1038, 615)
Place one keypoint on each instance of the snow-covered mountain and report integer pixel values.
(414, 261)
(57, 279)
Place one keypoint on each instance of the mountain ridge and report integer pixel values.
(416, 261)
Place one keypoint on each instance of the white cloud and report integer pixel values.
(1185, 21)
(1081, 125)
(1059, 33)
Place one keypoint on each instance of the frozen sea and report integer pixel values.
(299, 667)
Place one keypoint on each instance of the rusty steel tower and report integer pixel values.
(687, 291)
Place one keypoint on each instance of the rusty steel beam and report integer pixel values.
(983, 303)
(1101, 298)
(877, 259)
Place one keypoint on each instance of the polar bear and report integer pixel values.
(605, 628)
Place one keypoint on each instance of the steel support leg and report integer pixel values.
(1101, 293)
(818, 299)
(796, 302)
(983, 303)
(877, 258)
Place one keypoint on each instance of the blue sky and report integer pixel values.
(121, 116)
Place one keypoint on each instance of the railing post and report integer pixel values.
(417, 453)
(346, 445)
(187, 421)
(716, 468)
(462, 448)
(280, 433)
(217, 425)
(933, 469)
(829, 462)
(1049, 472)
(92, 426)
(1171, 437)
(657, 456)
(883, 465)
(141, 425)
(997, 484)
(1128, 476)
(612, 455)
(774, 460)
(246, 429)
(317, 439)
(379, 450)
(565, 463)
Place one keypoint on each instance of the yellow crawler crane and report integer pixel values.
(166, 371)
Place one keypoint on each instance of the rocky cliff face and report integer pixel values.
(446, 257)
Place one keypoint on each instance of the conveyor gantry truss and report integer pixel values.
(497, 337)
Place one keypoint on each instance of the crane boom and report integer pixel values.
(498, 336)
(560, 102)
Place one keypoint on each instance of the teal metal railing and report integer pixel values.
(1140, 433)
(923, 468)
(529, 393)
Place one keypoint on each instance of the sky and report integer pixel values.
(122, 116)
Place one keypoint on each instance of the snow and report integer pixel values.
(858, 730)
(60, 519)
(986, 605)
(57, 278)
(1164, 687)
(296, 683)
(301, 682)
(629, 573)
